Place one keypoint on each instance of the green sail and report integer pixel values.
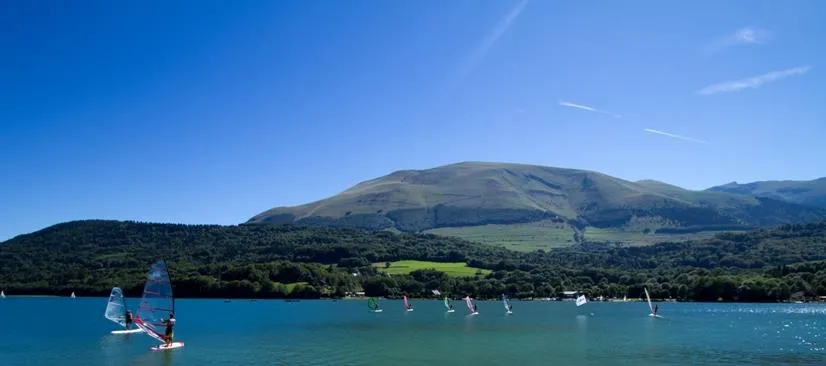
(447, 303)
(371, 304)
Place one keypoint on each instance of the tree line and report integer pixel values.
(284, 261)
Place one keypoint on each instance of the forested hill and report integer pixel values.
(90, 257)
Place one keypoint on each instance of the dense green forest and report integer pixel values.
(269, 261)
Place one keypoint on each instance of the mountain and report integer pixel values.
(805, 192)
(526, 207)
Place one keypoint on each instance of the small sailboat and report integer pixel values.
(581, 300)
(116, 312)
(407, 305)
(73, 295)
(448, 306)
(471, 307)
(653, 312)
(508, 308)
(373, 306)
(157, 303)
(2, 294)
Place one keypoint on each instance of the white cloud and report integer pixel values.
(672, 135)
(753, 82)
(743, 36)
(586, 108)
(487, 43)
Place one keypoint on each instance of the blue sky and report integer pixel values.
(168, 112)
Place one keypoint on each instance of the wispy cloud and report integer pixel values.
(586, 108)
(753, 82)
(490, 40)
(673, 135)
(743, 36)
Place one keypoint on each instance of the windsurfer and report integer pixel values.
(170, 324)
(127, 319)
(474, 308)
(510, 307)
(450, 306)
(656, 308)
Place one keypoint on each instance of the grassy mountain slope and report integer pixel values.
(475, 200)
(811, 192)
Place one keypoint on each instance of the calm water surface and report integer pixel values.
(66, 332)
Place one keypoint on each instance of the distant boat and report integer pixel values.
(407, 305)
(2, 294)
(653, 313)
(373, 306)
(156, 305)
(448, 306)
(471, 307)
(72, 295)
(116, 312)
(581, 300)
(506, 304)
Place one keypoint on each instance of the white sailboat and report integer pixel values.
(471, 307)
(156, 305)
(653, 313)
(508, 309)
(73, 295)
(116, 312)
(2, 294)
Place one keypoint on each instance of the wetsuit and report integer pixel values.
(170, 324)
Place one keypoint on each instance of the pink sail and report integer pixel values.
(469, 304)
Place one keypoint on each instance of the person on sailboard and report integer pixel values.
(656, 308)
(128, 319)
(474, 308)
(510, 307)
(450, 306)
(170, 324)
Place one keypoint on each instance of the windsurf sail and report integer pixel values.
(73, 295)
(406, 303)
(505, 303)
(447, 303)
(372, 304)
(581, 300)
(157, 302)
(116, 309)
(2, 294)
(647, 297)
(469, 303)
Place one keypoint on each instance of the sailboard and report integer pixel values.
(581, 300)
(156, 304)
(650, 306)
(2, 294)
(407, 305)
(470, 306)
(116, 312)
(73, 295)
(373, 306)
(447, 305)
(506, 304)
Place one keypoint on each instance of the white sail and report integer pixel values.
(581, 300)
(73, 295)
(647, 297)
(505, 303)
(116, 308)
(2, 294)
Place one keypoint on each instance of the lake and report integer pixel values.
(66, 332)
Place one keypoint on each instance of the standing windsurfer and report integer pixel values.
(474, 308)
(170, 324)
(510, 307)
(127, 319)
(656, 308)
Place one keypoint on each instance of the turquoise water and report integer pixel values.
(66, 332)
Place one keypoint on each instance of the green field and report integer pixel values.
(456, 269)
(635, 238)
(543, 235)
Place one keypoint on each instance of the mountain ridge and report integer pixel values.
(473, 194)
